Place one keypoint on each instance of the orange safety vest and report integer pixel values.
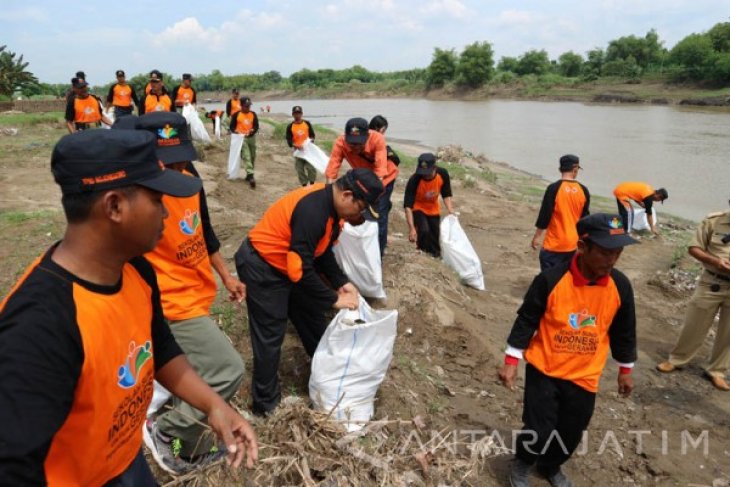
(122, 95)
(235, 105)
(299, 132)
(561, 234)
(155, 103)
(244, 123)
(427, 196)
(103, 431)
(181, 261)
(633, 190)
(86, 110)
(184, 95)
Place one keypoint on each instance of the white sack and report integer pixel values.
(234, 155)
(459, 254)
(358, 253)
(160, 396)
(314, 155)
(197, 129)
(640, 220)
(350, 363)
(109, 113)
(217, 125)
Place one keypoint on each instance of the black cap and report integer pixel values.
(426, 162)
(568, 162)
(604, 230)
(297, 109)
(98, 160)
(155, 75)
(663, 194)
(120, 73)
(366, 186)
(356, 131)
(172, 134)
(81, 74)
(127, 122)
(246, 101)
(234, 90)
(187, 76)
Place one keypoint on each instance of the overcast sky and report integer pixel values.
(59, 38)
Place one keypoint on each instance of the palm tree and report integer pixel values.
(13, 75)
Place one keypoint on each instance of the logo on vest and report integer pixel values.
(581, 320)
(128, 373)
(189, 222)
(88, 110)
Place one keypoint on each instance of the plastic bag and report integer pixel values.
(234, 155)
(217, 125)
(313, 155)
(160, 396)
(358, 253)
(197, 129)
(640, 220)
(350, 363)
(459, 254)
(109, 113)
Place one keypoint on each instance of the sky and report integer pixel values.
(59, 38)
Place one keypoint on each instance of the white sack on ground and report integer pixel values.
(314, 155)
(350, 363)
(358, 253)
(234, 155)
(641, 222)
(160, 396)
(459, 254)
(197, 129)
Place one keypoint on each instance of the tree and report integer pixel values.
(594, 63)
(569, 64)
(533, 62)
(13, 75)
(645, 51)
(508, 64)
(692, 54)
(720, 36)
(476, 65)
(442, 68)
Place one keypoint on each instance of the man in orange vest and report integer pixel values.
(564, 203)
(184, 93)
(122, 96)
(297, 133)
(234, 104)
(82, 334)
(573, 314)
(643, 195)
(246, 122)
(157, 100)
(84, 110)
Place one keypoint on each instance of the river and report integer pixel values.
(686, 150)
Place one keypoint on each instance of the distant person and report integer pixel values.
(380, 124)
(644, 196)
(246, 122)
(122, 96)
(213, 115)
(82, 334)
(185, 94)
(710, 246)
(155, 74)
(234, 104)
(84, 110)
(268, 108)
(421, 202)
(157, 100)
(365, 148)
(573, 314)
(297, 133)
(564, 203)
(73, 90)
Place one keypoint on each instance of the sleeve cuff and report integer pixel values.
(514, 352)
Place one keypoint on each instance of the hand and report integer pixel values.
(412, 235)
(348, 287)
(625, 384)
(723, 265)
(508, 374)
(535, 243)
(655, 231)
(347, 298)
(236, 433)
(298, 147)
(236, 289)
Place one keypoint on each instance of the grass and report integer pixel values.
(30, 119)
(17, 217)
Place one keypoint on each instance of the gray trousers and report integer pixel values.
(306, 172)
(219, 364)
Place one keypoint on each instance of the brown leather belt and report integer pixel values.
(722, 277)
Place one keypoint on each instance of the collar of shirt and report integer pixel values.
(579, 279)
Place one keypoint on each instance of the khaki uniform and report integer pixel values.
(712, 295)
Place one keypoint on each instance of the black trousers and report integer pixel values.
(428, 231)
(626, 218)
(272, 299)
(556, 410)
(138, 474)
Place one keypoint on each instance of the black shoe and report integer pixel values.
(519, 473)
(559, 479)
(252, 183)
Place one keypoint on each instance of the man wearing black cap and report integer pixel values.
(184, 94)
(155, 74)
(565, 201)
(233, 105)
(421, 202)
(297, 133)
(246, 122)
(572, 315)
(184, 261)
(82, 334)
(281, 262)
(84, 110)
(157, 99)
(643, 195)
(122, 96)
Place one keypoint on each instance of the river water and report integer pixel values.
(685, 150)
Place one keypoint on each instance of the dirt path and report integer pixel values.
(444, 371)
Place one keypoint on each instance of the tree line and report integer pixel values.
(700, 58)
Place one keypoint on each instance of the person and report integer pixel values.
(572, 314)
(297, 133)
(643, 195)
(710, 246)
(122, 96)
(246, 122)
(184, 94)
(281, 262)
(365, 148)
(157, 100)
(73, 90)
(421, 203)
(84, 110)
(82, 334)
(564, 203)
(212, 115)
(234, 104)
(156, 74)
